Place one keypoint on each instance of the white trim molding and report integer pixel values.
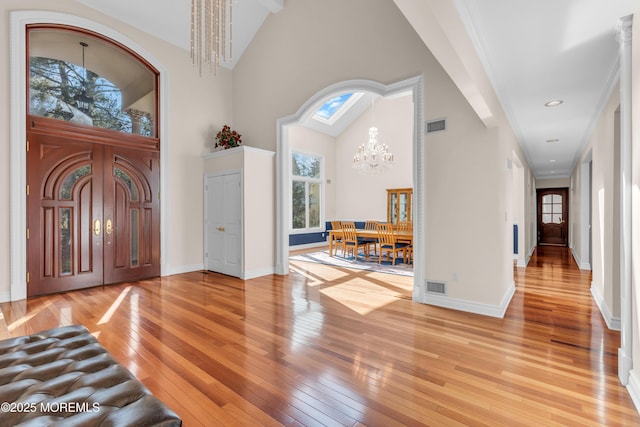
(634, 388)
(581, 265)
(612, 322)
(18, 22)
(473, 307)
(625, 352)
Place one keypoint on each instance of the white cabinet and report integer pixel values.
(239, 211)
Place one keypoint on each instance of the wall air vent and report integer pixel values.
(436, 287)
(436, 125)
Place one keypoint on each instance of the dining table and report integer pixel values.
(403, 236)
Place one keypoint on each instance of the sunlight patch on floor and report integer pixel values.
(107, 316)
(24, 319)
(361, 296)
(318, 277)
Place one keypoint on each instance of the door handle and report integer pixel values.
(96, 227)
(109, 227)
(220, 228)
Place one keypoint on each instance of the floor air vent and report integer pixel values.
(436, 287)
(436, 125)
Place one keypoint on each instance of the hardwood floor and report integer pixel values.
(330, 346)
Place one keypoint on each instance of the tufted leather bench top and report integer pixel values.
(63, 376)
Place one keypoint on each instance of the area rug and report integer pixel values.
(370, 264)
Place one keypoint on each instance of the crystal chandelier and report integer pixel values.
(209, 32)
(373, 158)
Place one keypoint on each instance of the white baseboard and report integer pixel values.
(472, 307)
(581, 265)
(613, 323)
(633, 387)
(258, 273)
(5, 296)
(170, 271)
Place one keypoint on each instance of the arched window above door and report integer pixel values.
(86, 79)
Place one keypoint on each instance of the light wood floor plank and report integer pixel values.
(333, 346)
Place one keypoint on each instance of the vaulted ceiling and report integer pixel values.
(533, 51)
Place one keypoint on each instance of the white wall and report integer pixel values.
(394, 120)
(600, 147)
(553, 183)
(468, 184)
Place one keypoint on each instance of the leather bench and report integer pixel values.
(63, 376)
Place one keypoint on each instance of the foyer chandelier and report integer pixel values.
(82, 100)
(372, 158)
(209, 40)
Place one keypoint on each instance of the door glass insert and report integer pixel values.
(552, 209)
(124, 177)
(65, 241)
(135, 244)
(66, 189)
(79, 78)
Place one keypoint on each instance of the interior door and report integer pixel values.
(553, 214)
(223, 224)
(92, 213)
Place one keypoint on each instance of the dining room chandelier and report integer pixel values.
(373, 157)
(211, 20)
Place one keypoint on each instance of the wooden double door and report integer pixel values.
(92, 212)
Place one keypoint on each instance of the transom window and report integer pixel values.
(84, 79)
(306, 192)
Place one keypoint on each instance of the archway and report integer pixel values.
(413, 85)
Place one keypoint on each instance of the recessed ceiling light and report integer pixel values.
(552, 161)
(554, 103)
(553, 172)
(553, 140)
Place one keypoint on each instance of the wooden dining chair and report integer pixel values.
(371, 226)
(404, 227)
(350, 241)
(407, 227)
(337, 237)
(389, 244)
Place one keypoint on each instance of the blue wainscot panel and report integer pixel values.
(306, 238)
(318, 237)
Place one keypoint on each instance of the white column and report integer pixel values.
(625, 351)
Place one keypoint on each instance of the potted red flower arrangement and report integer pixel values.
(228, 138)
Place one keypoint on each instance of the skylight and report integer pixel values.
(335, 107)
